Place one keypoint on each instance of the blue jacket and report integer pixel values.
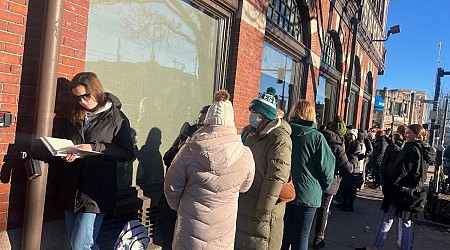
(312, 164)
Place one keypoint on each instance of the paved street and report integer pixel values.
(348, 230)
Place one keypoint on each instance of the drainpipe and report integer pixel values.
(45, 106)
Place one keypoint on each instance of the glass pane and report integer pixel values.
(277, 72)
(320, 101)
(285, 14)
(159, 58)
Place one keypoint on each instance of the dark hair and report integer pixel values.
(417, 129)
(91, 83)
(204, 110)
(397, 136)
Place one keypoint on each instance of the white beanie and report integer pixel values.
(353, 131)
(221, 111)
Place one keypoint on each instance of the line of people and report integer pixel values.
(224, 187)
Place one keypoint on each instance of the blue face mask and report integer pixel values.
(254, 120)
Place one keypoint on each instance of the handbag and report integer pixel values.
(287, 193)
(409, 199)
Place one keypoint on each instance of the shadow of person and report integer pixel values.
(150, 168)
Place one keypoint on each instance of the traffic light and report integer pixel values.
(440, 72)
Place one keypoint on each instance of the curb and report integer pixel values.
(422, 221)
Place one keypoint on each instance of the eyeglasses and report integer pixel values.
(85, 97)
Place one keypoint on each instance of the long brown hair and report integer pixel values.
(92, 85)
(417, 129)
(303, 110)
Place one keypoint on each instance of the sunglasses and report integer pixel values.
(85, 97)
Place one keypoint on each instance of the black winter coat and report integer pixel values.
(89, 184)
(379, 147)
(343, 164)
(387, 168)
(411, 168)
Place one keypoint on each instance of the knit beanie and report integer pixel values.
(354, 132)
(265, 104)
(338, 126)
(220, 113)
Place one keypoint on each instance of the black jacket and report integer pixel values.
(343, 164)
(379, 147)
(412, 164)
(89, 184)
(369, 147)
(387, 168)
(411, 168)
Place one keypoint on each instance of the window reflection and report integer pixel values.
(159, 58)
(277, 72)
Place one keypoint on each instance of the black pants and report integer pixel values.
(167, 219)
(322, 217)
(348, 195)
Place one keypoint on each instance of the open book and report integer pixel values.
(62, 147)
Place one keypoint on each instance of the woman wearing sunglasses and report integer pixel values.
(88, 184)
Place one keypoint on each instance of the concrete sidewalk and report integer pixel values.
(349, 230)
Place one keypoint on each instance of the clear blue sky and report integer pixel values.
(413, 53)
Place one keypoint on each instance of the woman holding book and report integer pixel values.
(88, 184)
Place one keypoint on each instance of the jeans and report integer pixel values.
(297, 225)
(322, 217)
(384, 225)
(82, 229)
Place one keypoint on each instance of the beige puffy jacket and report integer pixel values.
(203, 185)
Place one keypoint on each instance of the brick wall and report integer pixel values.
(246, 63)
(20, 44)
(12, 38)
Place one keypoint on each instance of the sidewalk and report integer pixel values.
(347, 230)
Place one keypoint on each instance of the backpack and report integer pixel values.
(134, 236)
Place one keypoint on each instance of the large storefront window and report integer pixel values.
(162, 59)
(325, 100)
(278, 72)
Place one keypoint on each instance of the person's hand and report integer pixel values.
(84, 146)
(181, 144)
(70, 157)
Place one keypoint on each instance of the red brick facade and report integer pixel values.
(20, 35)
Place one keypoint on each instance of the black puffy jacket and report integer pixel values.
(89, 184)
(387, 168)
(343, 164)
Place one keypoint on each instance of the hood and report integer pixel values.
(302, 127)
(331, 137)
(277, 123)
(216, 147)
(114, 100)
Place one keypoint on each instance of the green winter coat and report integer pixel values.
(260, 219)
(312, 163)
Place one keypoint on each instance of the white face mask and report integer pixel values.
(254, 120)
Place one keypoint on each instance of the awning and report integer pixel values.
(379, 103)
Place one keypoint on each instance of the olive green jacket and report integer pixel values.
(260, 218)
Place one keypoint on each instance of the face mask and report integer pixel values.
(254, 120)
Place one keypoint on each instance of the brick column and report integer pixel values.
(246, 60)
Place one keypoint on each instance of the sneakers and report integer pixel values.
(319, 245)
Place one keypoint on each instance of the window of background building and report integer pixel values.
(162, 59)
(367, 102)
(277, 71)
(285, 14)
(327, 88)
(355, 87)
(284, 49)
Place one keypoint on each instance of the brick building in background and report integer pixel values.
(164, 60)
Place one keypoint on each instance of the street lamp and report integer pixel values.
(392, 30)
